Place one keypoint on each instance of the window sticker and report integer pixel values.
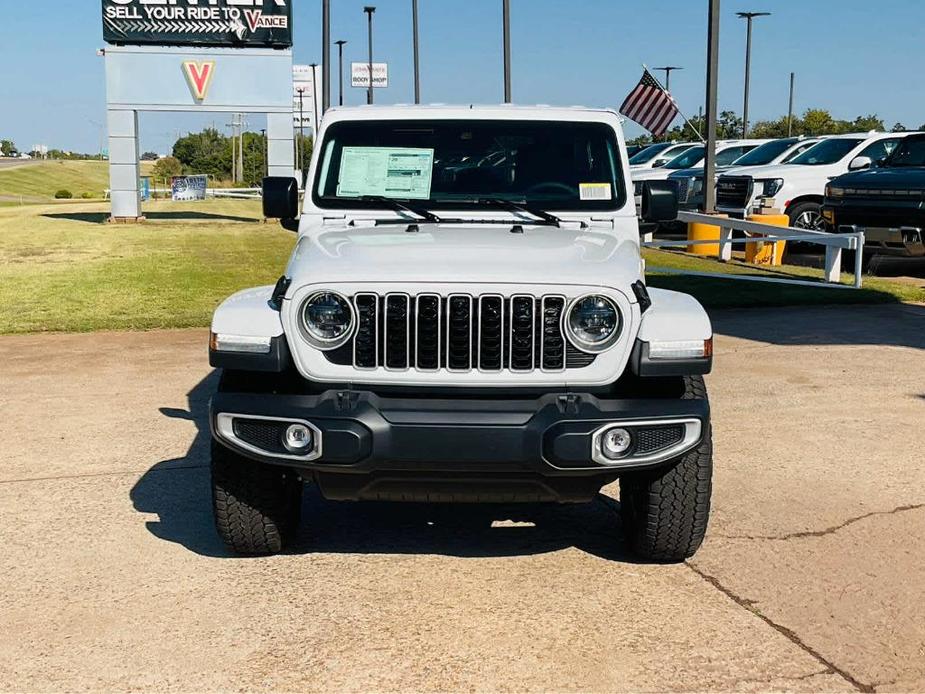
(395, 172)
(595, 191)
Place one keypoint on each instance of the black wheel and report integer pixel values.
(807, 215)
(256, 506)
(666, 511)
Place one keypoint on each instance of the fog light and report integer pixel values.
(615, 443)
(299, 438)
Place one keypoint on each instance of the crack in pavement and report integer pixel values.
(827, 531)
(786, 632)
(89, 475)
(789, 678)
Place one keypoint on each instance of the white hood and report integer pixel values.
(467, 254)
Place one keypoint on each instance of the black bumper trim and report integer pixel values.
(363, 432)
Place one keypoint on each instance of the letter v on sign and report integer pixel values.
(199, 77)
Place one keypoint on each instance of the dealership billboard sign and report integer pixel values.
(220, 23)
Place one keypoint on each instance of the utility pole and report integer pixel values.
(417, 63)
(709, 169)
(340, 68)
(668, 70)
(748, 17)
(507, 50)
(370, 10)
(790, 108)
(325, 55)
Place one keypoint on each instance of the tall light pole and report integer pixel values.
(340, 68)
(709, 169)
(325, 55)
(369, 10)
(417, 63)
(316, 118)
(790, 108)
(507, 51)
(748, 17)
(668, 70)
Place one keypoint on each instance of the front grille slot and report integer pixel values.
(552, 354)
(428, 331)
(461, 333)
(397, 331)
(734, 191)
(366, 342)
(491, 333)
(521, 340)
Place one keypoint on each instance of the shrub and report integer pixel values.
(64, 194)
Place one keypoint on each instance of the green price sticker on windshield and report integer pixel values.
(394, 172)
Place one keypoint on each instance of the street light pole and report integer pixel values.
(748, 17)
(369, 10)
(507, 51)
(668, 70)
(709, 169)
(417, 63)
(340, 68)
(315, 115)
(790, 108)
(326, 55)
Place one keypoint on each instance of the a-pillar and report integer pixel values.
(123, 166)
(280, 145)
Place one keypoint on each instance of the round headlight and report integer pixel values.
(327, 320)
(593, 323)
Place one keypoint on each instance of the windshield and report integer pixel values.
(649, 153)
(688, 160)
(441, 164)
(910, 153)
(827, 151)
(765, 153)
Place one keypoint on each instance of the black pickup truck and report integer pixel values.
(886, 202)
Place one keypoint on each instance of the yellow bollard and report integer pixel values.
(770, 253)
(697, 231)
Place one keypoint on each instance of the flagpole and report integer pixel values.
(686, 120)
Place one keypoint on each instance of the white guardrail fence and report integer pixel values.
(757, 232)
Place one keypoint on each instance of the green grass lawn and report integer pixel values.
(62, 268)
(39, 181)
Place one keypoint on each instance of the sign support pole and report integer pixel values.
(709, 169)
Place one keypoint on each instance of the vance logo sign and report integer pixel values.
(224, 23)
(199, 77)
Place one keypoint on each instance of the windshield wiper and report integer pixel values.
(543, 215)
(422, 213)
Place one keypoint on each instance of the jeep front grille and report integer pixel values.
(460, 333)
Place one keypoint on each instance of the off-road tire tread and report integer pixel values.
(256, 506)
(666, 512)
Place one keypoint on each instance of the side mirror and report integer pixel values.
(859, 163)
(659, 163)
(659, 201)
(280, 198)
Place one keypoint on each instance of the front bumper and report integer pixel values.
(904, 241)
(550, 436)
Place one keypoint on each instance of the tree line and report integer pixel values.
(813, 121)
(210, 153)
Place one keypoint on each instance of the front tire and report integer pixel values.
(257, 507)
(807, 215)
(666, 512)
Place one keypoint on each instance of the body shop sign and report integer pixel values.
(251, 23)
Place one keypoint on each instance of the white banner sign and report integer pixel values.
(359, 75)
(306, 94)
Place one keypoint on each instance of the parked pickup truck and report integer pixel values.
(476, 335)
(690, 181)
(886, 202)
(796, 189)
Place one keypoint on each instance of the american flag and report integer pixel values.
(650, 105)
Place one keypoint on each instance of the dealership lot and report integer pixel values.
(810, 578)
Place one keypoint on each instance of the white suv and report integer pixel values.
(657, 155)
(464, 318)
(798, 188)
(727, 151)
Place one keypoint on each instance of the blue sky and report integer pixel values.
(850, 56)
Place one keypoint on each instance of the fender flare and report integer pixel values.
(673, 317)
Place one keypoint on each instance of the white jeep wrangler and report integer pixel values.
(464, 318)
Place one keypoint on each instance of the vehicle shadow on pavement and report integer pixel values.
(180, 215)
(177, 492)
(898, 325)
